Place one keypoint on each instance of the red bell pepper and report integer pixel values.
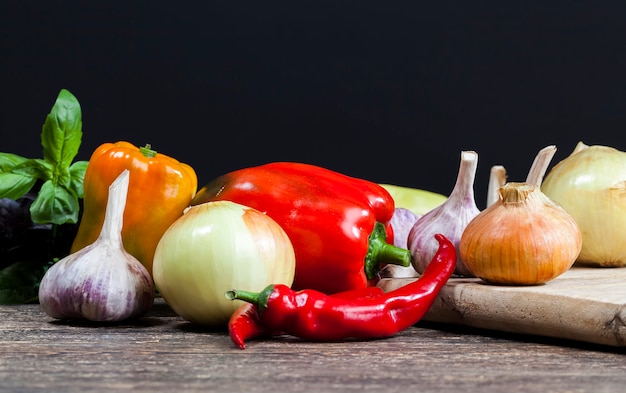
(339, 225)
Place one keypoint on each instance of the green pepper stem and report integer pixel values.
(147, 151)
(380, 252)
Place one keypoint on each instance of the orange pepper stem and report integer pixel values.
(147, 151)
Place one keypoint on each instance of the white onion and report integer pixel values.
(590, 184)
(214, 247)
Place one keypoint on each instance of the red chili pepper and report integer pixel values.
(339, 225)
(245, 323)
(315, 316)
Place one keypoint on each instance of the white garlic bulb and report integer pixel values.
(101, 282)
(448, 219)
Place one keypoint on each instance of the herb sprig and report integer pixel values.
(57, 200)
(40, 203)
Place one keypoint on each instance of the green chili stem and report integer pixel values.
(259, 299)
(247, 296)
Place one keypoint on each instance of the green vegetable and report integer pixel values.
(39, 203)
(62, 180)
(414, 199)
(19, 282)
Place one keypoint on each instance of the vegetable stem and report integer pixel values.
(147, 151)
(497, 178)
(114, 214)
(380, 252)
(540, 165)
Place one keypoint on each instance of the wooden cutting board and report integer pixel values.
(583, 304)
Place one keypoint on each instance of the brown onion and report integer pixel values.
(524, 238)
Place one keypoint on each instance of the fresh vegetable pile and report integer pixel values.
(284, 247)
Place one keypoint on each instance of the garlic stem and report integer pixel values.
(111, 231)
(464, 186)
(497, 178)
(540, 165)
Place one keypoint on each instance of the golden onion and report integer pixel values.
(524, 238)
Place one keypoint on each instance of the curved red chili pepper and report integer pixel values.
(315, 316)
(245, 323)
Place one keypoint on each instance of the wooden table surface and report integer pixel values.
(163, 353)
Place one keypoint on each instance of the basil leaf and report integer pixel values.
(14, 186)
(9, 160)
(77, 174)
(19, 179)
(62, 131)
(19, 282)
(37, 168)
(55, 204)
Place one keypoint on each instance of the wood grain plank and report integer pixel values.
(163, 353)
(584, 303)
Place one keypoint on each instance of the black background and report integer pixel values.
(391, 91)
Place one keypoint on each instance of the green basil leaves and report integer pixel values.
(62, 180)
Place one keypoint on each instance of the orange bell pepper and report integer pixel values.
(160, 189)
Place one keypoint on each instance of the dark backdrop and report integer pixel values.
(391, 91)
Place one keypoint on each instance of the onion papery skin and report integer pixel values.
(214, 247)
(527, 242)
(590, 184)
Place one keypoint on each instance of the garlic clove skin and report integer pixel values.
(97, 284)
(402, 221)
(524, 238)
(101, 282)
(449, 219)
